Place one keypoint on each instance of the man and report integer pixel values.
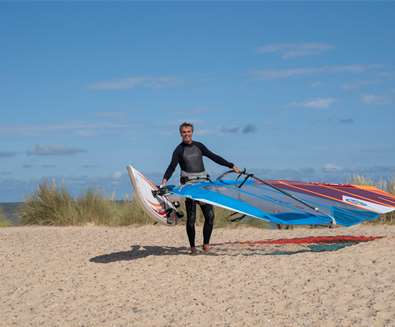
(189, 155)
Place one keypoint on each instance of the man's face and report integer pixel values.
(186, 134)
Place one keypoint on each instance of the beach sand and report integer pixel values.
(144, 276)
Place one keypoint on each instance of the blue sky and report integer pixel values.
(290, 90)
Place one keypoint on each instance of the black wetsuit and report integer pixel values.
(190, 159)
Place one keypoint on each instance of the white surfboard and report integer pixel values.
(155, 206)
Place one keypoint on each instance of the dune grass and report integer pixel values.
(385, 185)
(4, 222)
(53, 205)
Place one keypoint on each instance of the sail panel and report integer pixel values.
(299, 204)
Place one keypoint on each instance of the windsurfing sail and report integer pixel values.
(157, 206)
(290, 202)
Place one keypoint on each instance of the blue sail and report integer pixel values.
(253, 200)
(292, 203)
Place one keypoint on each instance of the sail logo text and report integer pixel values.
(356, 202)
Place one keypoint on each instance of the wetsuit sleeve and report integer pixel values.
(214, 157)
(173, 165)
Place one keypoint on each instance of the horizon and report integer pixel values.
(287, 90)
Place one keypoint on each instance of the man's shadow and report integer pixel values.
(142, 251)
(139, 252)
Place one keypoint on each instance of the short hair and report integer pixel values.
(185, 124)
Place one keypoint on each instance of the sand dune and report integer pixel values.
(143, 276)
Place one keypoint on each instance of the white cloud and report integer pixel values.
(116, 175)
(373, 99)
(86, 133)
(132, 82)
(317, 103)
(53, 150)
(270, 74)
(387, 74)
(203, 132)
(316, 84)
(230, 129)
(330, 167)
(356, 85)
(292, 50)
(244, 129)
(76, 127)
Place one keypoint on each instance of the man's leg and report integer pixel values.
(208, 213)
(190, 206)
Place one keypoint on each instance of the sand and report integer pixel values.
(144, 276)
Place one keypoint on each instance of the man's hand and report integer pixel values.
(236, 169)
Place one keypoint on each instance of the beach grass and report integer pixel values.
(385, 185)
(4, 222)
(53, 205)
